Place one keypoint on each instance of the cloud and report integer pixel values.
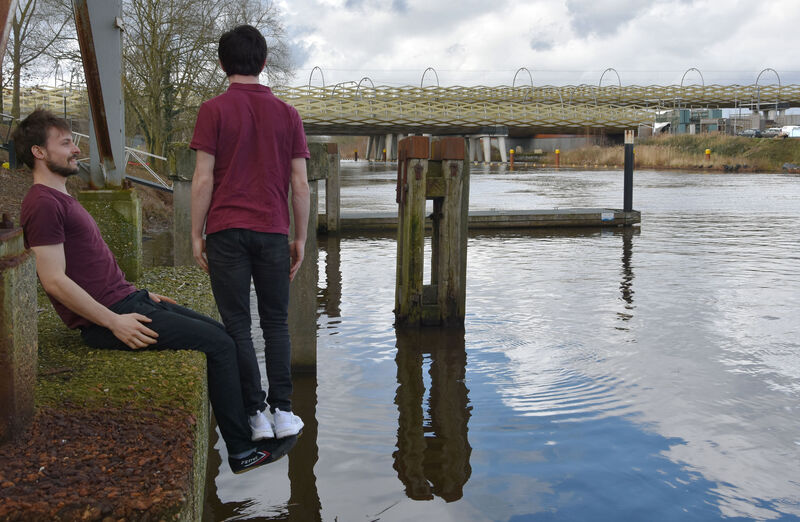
(590, 17)
(539, 44)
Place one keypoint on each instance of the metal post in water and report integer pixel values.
(628, 190)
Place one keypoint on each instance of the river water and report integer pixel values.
(648, 374)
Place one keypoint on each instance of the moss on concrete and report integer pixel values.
(118, 213)
(170, 382)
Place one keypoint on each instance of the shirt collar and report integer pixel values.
(257, 87)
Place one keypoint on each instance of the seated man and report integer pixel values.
(89, 291)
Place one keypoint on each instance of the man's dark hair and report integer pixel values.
(33, 131)
(242, 50)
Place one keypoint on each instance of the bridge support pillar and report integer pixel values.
(389, 148)
(487, 149)
(474, 151)
(118, 213)
(438, 171)
(182, 206)
(501, 144)
(18, 332)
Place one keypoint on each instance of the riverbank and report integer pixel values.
(728, 154)
(115, 434)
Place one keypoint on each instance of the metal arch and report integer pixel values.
(310, 76)
(361, 80)
(514, 81)
(423, 76)
(333, 92)
(758, 88)
(600, 83)
(703, 80)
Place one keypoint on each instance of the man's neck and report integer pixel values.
(242, 78)
(44, 176)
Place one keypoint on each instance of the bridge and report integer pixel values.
(361, 108)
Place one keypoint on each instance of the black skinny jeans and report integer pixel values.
(234, 257)
(182, 329)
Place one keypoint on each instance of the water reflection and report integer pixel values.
(626, 285)
(304, 503)
(432, 456)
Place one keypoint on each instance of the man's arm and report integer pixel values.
(300, 210)
(51, 268)
(202, 188)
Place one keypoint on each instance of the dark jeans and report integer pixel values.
(234, 257)
(182, 329)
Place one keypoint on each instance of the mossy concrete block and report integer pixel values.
(18, 337)
(118, 213)
(169, 381)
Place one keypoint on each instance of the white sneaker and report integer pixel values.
(286, 424)
(262, 428)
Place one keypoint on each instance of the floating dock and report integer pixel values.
(503, 219)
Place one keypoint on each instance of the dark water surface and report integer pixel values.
(647, 374)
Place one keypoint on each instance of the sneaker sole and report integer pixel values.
(262, 435)
(267, 460)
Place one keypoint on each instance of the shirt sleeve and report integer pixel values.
(299, 145)
(205, 130)
(43, 223)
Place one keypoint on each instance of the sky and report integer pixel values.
(560, 42)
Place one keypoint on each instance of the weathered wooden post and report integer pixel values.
(182, 206)
(440, 172)
(303, 290)
(412, 169)
(18, 331)
(628, 185)
(333, 191)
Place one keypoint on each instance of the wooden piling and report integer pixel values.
(439, 171)
(628, 184)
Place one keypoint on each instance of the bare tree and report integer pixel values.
(170, 60)
(35, 27)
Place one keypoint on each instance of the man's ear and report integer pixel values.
(37, 151)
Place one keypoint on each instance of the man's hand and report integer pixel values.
(158, 298)
(296, 251)
(129, 329)
(199, 252)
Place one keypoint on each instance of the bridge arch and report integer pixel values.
(758, 88)
(600, 83)
(310, 76)
(425, 72)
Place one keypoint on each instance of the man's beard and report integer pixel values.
(61, 170)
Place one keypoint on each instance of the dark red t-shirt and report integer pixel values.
(50, 217)
(253, 137)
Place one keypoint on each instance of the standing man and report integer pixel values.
(89, 291)
(251, 147)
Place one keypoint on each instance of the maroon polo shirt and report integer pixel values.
(253, 136)
(50, 217)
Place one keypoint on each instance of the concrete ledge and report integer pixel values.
(506, 219)
(121, 434)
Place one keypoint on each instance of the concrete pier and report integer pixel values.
(18, 333)
(118, 213)
(182, 206)
(303, 290)
(506, 219)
